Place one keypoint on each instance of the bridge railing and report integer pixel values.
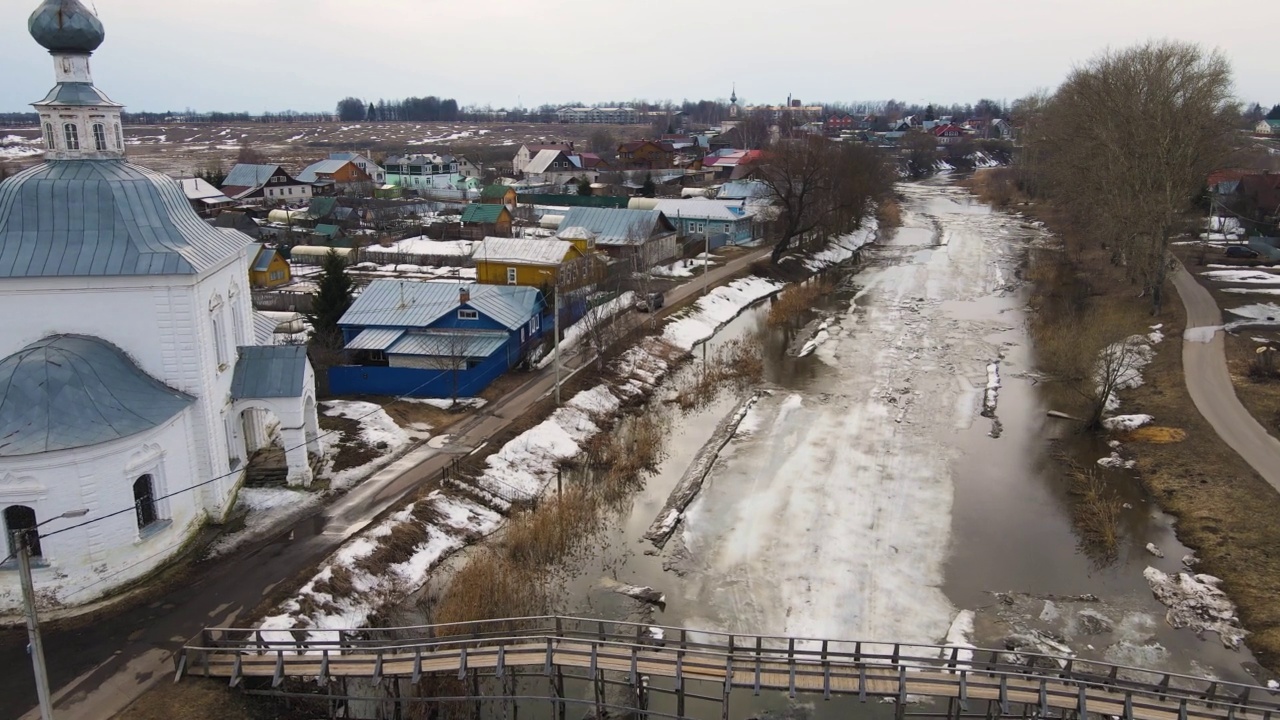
(1055, 679)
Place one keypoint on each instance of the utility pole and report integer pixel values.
(706, 256)
(555, 305)
(33, 628)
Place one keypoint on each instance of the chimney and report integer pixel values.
(464, 294)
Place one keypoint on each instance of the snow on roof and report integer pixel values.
(522, 251)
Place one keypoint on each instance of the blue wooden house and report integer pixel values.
(436, 339)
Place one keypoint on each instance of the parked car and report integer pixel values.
(652, 302)
(1240, 251)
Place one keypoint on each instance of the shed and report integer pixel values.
(488, 219)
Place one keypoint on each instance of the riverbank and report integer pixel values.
(1225, 511)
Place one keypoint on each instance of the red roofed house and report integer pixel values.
(948, 134)
(837, 123)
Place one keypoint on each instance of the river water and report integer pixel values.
(868, 496)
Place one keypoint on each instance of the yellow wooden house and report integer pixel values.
(269, 269)
(534, 262)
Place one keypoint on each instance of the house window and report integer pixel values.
(72, 135)
(290, 191)
(18, 518)
(511, 276)
(468, 315)
(144, 501)
(99, 136)
(276, 275)
(219, 341)
(48, 136)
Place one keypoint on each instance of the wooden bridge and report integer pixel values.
(620, 665)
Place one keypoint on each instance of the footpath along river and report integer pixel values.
(882, 487)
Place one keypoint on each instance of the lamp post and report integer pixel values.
(22, 541)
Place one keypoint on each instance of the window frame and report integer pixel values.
(71, 133)
(50, 140)
(99, 137)
(146, 506)
(467, 314)
(513, 276)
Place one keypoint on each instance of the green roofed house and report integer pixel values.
(499, 195)
(483, 220)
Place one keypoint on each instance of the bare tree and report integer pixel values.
(817, 186)
(1127, 142)
(1094, 355)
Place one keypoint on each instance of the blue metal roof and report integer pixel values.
(66, 26)
(246, 175)
(77, 94)
(392, 303)
(73, 218)
(450, 343)
(375, 339)
(70, 391)
(263, 262)
(270, 371)
(614, 226)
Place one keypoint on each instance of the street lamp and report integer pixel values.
(21, 541)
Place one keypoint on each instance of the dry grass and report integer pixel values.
(889, 214)
(737, 364)
(1095, 512)
(996, 186)
(405, 414)
(1154, 434)
(797, 300)
(352, 450)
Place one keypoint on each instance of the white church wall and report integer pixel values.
(110, 549)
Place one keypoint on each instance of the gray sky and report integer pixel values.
(260, 55)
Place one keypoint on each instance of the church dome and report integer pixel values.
(71, 391)
(94, 218)
(66, 26)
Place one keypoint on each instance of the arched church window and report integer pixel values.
(49, 141)
(119, 138)
(20, 518)
(144, 501)
(99, 136)
(72, 135)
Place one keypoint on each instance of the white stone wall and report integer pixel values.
(84, 563)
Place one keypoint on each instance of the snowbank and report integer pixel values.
(1243, 276)
(1254, 315)
(717, 308)
(1196, 602)
(377, 430)
(844, 247)
(992, 392)
(320, 609)
(1125, 423)
(682, 268)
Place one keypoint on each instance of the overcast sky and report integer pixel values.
(258, 55)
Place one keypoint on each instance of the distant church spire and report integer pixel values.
(733, 102)
(79, 121)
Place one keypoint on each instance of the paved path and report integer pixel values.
(98, 668)
(1205, 366)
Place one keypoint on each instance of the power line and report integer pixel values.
(134, 507)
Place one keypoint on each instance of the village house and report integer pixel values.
(542, 263)
(370, 168)
(1267, 127)
(527, 153)
(600, 115)
(205, 199)
(482, 219)
(713, 222)
(646, 155)
(419, 172)
(948, 134)
(504, 195)
(436, 339)
(838, 123)
(270, 183)
(269, 269)
(329, 176)
(556, 167)
(643, 238)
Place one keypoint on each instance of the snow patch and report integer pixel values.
(717, 308)
(1201, 334)
(1125, 423)
(1196, 602)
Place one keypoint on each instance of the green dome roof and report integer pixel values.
(66, 26)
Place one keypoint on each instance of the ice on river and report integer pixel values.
(832, 519)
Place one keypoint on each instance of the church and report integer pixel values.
(132, 391)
